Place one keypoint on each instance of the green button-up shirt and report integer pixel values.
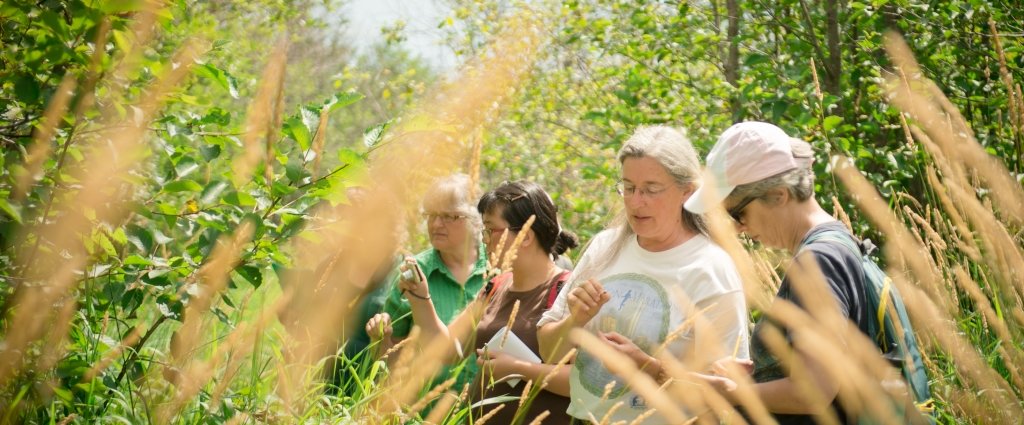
(449, 298)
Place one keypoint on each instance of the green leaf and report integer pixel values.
(240, 199)
(295, 172)
(10, 210)
(280, 188)
(251, 274)
(104, 242)
(120, 6)
(222, 317)
(755, 59)
(294, 127)
(210, 152)
(185, 166)
(171, 310)
(161, 238)
(212, 191)
(135, 260)
(373, 135)
(221, 77)
(349, 156)
(310, 118)
(494, 400)
(831, 122)
(341, 100)
(140, 237)
(119, 236)
(26, 88)
(182, 186)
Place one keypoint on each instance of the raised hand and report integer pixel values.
(412, 282)
(585, 301)
(379, 327)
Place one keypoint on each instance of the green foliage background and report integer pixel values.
(609, 67)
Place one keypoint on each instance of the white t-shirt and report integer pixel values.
(653, 294)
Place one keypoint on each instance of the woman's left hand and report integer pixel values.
(626, 346)
(499, 365)
(730, 365)
(721, 384)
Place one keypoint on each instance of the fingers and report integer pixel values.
(616, 338)
(746, 364)
(722, 367)
(411, 271)
(588, 297)
(594, 289)
(412, 279)
(379, 326)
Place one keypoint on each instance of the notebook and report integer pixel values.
(514, 347)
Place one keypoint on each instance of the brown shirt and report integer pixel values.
(532, 305)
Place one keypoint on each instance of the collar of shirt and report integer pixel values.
(432, 263)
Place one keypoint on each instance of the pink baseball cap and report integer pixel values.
(745, 153)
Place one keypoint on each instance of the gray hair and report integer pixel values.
(672, 150)
(455, 191)
(799, 181)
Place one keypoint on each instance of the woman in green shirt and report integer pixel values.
(454, 266)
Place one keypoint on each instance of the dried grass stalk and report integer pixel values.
(624, 368)
(42, 137)
(213, 278)
(119, 153)
(260, 118)
(928, 321)
(485, 418)
(512, 252)
(960, 142)
(318, 140)
(540, 418)
(508, 326)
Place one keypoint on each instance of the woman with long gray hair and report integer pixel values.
(652, 281)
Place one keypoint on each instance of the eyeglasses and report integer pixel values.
(736, 212)
(649, 192)
(494, 234)
(446, 218)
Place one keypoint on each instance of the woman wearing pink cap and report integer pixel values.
(652, 281)
(765, 180)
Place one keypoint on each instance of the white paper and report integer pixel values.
(514, 347)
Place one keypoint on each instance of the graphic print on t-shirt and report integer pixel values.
(639, 310)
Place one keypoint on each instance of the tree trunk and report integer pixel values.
(835, 58)
(732, 61)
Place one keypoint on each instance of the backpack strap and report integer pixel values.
(847, 240)
(556, 288)
(892, 319)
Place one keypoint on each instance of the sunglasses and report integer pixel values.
(736, 212)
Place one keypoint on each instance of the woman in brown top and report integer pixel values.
(533, 282)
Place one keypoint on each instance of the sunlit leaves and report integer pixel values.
(221, 77)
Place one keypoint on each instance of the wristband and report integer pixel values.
(406, 291)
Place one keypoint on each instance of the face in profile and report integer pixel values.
(494, 226)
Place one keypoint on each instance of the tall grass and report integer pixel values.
(955, 253)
